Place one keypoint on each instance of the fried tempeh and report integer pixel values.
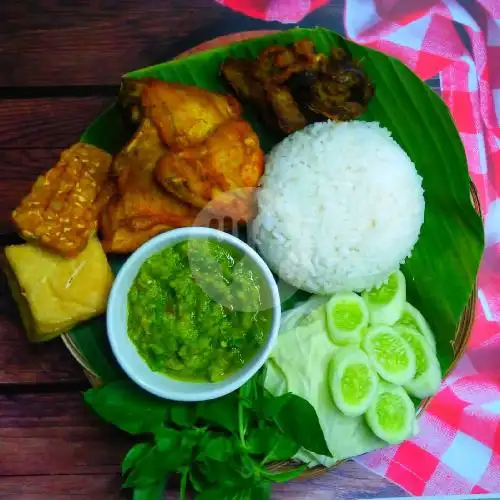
(60, 212)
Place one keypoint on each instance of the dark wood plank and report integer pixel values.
(56, 435)
(52, 42)
(63, 487)
(347, 481)
(47, 122)
(350, 481)
(85, 43)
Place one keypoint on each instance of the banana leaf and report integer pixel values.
(442, 269)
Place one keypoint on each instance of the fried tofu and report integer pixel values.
(54, 293)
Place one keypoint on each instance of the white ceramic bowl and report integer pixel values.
(124, 350)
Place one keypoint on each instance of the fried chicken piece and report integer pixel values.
(117, 236)
(277, 63)
(217, 171)
(185, 115)
(239, 73)
(289, 115)
(60, 212)
(140, 208)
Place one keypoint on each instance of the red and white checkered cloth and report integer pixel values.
(458, 448)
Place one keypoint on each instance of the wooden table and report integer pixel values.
(60, 65)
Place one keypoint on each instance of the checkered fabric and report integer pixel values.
(457, 450)
(285, 11)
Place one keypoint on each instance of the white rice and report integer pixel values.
(340, 208)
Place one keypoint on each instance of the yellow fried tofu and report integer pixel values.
(53, 292)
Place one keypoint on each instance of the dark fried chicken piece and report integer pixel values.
(293, 85)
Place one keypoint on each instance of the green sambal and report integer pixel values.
(197, 310)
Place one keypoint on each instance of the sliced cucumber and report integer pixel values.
(386, 302)
(352, 381)
(391, 355)
(391, 416)
(346, 316)
(412, 317)
(428, 374)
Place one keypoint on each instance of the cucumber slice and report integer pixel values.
(352, 381)
(391, 416)
(346, 316)
(391, 355)
(386, 302)
(428, 374)
(412, 317)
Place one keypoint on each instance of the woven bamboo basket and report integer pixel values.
(459, 343)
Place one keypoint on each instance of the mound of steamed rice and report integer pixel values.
(340, 208)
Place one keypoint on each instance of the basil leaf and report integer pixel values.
(184, 478)
(298, 420)
(218, 449)
(133, 455)
(246, 490)
(153, 466)
(152, 492)
(220, 473)
(247, 467)
(221, 493)
(271, 405)
(222, 412)
(167, 439)
(283, 448)
(272, 444)
(198, 482)
(258, 440)
(192, 437)
(183, 414)
(248, 393)
(127, 406)
(261, 490)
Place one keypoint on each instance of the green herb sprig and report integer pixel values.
(220, 449)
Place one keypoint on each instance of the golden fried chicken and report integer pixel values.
(213, 153)
(185, 115)
(216, 170)
(140, 208)
(117, 236)
(61, 211)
